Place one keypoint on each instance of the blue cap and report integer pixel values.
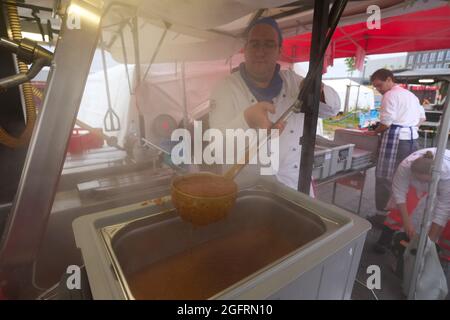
(271, 22)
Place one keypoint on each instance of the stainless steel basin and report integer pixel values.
(171, 259)
(276, 244)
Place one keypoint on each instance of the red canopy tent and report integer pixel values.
(418, 31)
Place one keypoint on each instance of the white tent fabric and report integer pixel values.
(94, 104)
(180, 44)
(196, 14)
(211, 30)
(366, 99)
(201, 14)
(164, 93)
(161, 93)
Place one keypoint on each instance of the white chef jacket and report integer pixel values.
(401, 107)
(232, 97)
(403, 179)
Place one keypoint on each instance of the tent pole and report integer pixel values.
(158, 48)
(137, 61)
(308, 141)
(137, 55)
(125, 57)
(308, 101)
(347, 97)
(357, 97)
(436, 174)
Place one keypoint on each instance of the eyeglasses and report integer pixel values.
(257, 45)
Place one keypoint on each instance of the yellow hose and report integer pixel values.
(5, 137)
(38, 93)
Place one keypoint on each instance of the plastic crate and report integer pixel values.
(341, 158)
(341, 155)
(358, 138)
(82, 141)
(361, 158)
(322, 163)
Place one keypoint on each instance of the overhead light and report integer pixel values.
(426, 81)
(35, 36)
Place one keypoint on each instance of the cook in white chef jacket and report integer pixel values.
(242, 99)
(405, 178)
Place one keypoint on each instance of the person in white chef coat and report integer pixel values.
(409, 195)
(407, 206)
(400, 117)
(258, 93)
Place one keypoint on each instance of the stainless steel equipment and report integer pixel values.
(31, 208)
(27, 51)
(100, 193)
(275, 244)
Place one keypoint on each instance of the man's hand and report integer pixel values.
(435, 232)
(257, 116)
(280, 126)
(381, 128)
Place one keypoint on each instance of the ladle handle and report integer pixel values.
(250, 152)
(233, 171)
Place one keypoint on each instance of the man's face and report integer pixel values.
(383, 86)
(262, 52)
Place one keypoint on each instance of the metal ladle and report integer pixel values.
(204, 198)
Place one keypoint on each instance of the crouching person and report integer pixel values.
(409, 196)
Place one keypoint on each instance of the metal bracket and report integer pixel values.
(29, 52)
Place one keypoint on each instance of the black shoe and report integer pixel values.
(379, 249)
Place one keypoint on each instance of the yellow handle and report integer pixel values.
(249, 154)
(233, 171)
